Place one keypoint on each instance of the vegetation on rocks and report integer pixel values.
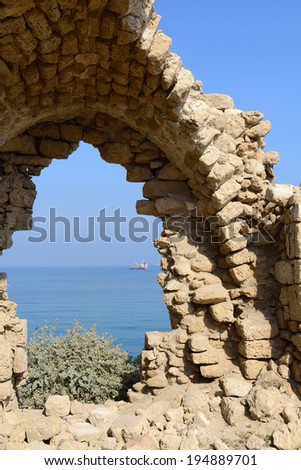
(81, 364)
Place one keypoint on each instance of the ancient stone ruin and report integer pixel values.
(101, 72)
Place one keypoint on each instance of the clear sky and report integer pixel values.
(249, 50)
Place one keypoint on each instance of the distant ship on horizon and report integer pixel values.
(139, 266)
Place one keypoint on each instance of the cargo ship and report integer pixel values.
(139, 266)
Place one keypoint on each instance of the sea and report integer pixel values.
(120, 302)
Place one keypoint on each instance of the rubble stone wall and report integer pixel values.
(103, 73)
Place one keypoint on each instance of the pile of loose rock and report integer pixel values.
(231, 413)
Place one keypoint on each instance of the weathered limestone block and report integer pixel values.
(265, 404)
(232, 410)
(295, 213)
(262, 349)
(284, 272)
(20, 361)
(17, 333)
(294, 301)
(201, 263)
(54, 149)
(230, 213)
(225, 193)
(219, 174)
(223, 312)
(219, 101)
(184, 82)
(208, 160)
(210, 294)
(153, 339)
(198, 342)
(235, 386)
(288, 436)
(156, 189)
(293, 241)
(279, 193)
(158, 52)
(6, 361)
(241, 258)
(214, 371)
(7, 309)
(172, 205)
(241, 273)
(260, 130)
(6, 390)
(57, 405)
(146, 208)
(170, 172)
(254, 324)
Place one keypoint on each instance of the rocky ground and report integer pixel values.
(230, 413)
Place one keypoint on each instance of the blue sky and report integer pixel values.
(249, 50)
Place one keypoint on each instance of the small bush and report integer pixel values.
(81, 364)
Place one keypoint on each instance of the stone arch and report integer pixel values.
(102, 72)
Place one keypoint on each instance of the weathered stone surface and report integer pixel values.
(288, 437)
(43, 428)
(223, 312)
(210, 294)
(251, 368)
(279, 193)
(265, 404)
(254, 324)
(57, 405)
(232, 411)
(293, 241)
(85, 432)
(262, 349)
(235, 386)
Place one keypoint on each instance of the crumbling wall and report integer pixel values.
(101, 72)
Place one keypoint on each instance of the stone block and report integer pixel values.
(241, 257)
(279, 193)
(230, 213)
(223, 312)
(219, 101)
(198, 342)
(54, 149)
(293, 241)
(260, 130)
(294, 302)
(57, 405)
(251, 368)
(225, 193)
(85, 432)
(262, 349)
(214, 371)
(6, 361)
(6, 390)
(201, 263)
(265, 404)
(295, 213)
(232, 411)
(153, 339)
(254, 324)
(145, 207)
(170, 172)
(17, 333)
(235, 386)
(210, 294)
(156, 189)
(284, 272)
(158, 52)
(20, 361)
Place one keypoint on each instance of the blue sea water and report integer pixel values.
(120, 302)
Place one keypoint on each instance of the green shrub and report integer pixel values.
(81, 364)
